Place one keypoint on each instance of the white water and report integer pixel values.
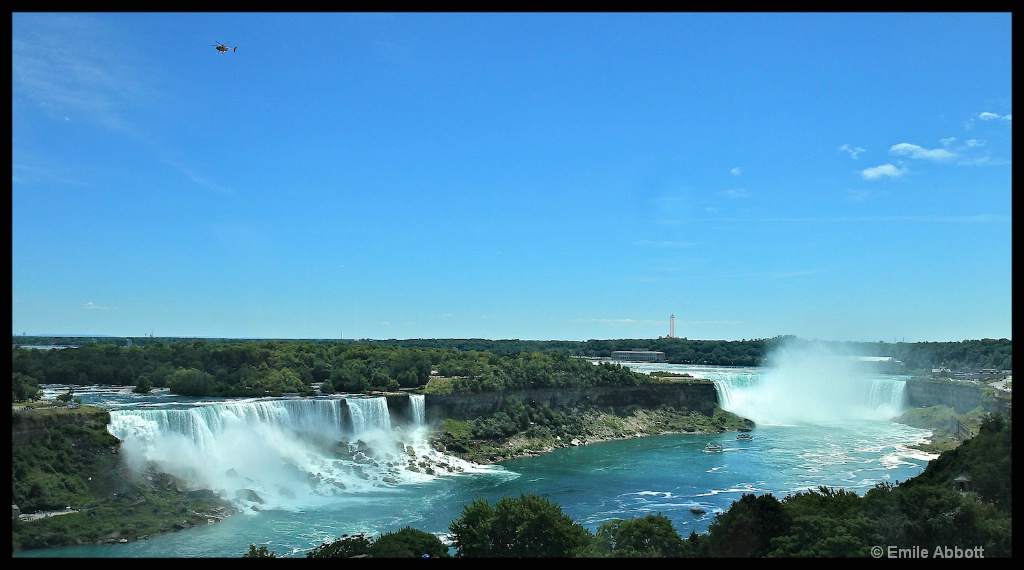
(417, 403)
(804, 384)
(284, 453)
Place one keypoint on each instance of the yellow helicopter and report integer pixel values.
(222, 48)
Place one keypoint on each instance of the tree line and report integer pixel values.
(273, 368)
(978, 353)
(225, 367)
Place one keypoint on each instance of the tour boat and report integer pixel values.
(713, 447)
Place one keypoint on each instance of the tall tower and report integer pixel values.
(672, 326)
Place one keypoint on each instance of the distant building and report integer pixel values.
(962, 483)
(638, 355)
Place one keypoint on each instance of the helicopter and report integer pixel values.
(222, 48)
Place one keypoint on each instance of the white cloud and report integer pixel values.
(915, 151)
(985, 161)
(890, 170)
(91, 305)
(987, 116)
(736, 171)
(853, 150)
(735, 193)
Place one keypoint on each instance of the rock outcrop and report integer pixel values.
(962, 396)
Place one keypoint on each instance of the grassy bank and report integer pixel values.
(941, 420)
(67, 463)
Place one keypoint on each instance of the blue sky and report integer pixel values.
(534, 176)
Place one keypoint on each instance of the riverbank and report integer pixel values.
(949, 429)
(588, 427)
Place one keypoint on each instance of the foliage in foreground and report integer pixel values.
(525, 527)
(404, 543)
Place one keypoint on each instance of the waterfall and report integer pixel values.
(811, 385)
(887, 396)
(417, 409)
(727, 380)
(280, 452)
(369, 414)
(203, 425)
(825, 399)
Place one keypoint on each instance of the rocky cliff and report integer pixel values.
(962, 396)
(697, 396)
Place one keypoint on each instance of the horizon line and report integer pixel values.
(195, 337)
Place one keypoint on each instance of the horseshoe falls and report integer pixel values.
(801, 385)
(809, 398)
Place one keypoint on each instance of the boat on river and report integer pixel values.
(713, 447)
(745, 437)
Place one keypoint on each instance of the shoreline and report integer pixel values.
(577, 443)
(597, 427)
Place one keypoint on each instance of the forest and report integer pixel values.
(273, 368)
(231, 367)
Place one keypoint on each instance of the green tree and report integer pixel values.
(826, 536)
(525, 527)
(344, 547)
(408, 543)
(143, 386)
(746, 529)
(652, 536)
(67, 396)
(882, 505)
(277, 382)
(23, 387)
(191, 382)
(410, 367)
(260, 552)
(351, 376)
(471, 533)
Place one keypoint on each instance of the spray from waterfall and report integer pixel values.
(808, 382)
